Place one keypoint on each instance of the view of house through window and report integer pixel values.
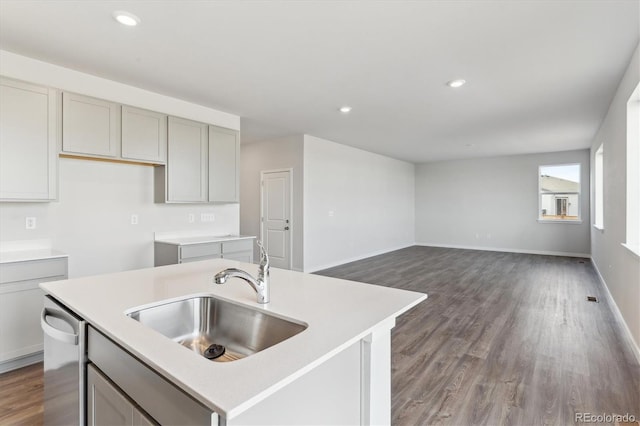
(559, 198)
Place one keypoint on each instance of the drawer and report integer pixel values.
(200, 250)
(33, 270)
(153, 393)
(237, 245)
(200, 258)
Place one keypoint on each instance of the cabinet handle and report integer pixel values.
(62, 336)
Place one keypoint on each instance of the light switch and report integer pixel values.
(134, 219)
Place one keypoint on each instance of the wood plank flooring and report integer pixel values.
(21, 396)
(503, 339)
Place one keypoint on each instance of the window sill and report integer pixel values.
(570, 222)
(599, 228)
(635, 250)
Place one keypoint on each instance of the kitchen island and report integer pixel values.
(336, 371)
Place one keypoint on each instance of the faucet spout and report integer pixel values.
(259, 285)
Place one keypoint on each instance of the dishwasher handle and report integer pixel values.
(49, 330)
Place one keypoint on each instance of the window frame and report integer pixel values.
(632, 179)
(541, 219)
(598, 188)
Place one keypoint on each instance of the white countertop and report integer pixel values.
(27, 255)
(338, 314)
(201, 239)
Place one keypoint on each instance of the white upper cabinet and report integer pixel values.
(144, 135)
(224, 165)
(90, 126)
(28, 142)
(186, 169)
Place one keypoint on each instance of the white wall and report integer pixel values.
(34, 71)
(619, 267)
(282, 153)
(91, 221)
(492, 203)
(371, 198)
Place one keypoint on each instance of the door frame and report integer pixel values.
(291, 221)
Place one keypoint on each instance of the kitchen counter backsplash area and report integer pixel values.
(94, 220)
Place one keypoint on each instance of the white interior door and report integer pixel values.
(276, 217)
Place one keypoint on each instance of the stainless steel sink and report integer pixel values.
(204, 324)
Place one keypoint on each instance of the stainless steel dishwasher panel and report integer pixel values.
(64, 365)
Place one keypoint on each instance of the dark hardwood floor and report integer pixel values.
(503, 339)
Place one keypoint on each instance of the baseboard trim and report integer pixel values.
(356, 258)
(507, 250)
(14, 364)
(616, 312)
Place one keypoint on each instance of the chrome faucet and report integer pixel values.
(260, 285)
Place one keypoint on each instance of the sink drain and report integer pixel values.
(214, 351)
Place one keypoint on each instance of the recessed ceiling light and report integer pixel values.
(345, 109)
(456, 83)
(126, 18)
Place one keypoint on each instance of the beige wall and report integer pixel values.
(281, 153)
(618, 266)
(91, 221)
(356, 204)
(492, 204)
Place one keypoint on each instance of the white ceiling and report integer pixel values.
(541, 74)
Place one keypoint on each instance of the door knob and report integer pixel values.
(286, 228)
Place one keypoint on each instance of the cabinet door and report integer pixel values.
(144, 135)
(224, 164)
(106, 405)
(28, 132)
(186, 161)
(20, 307)
(89, 126)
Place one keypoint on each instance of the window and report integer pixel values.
(598, 194)
(559, 195)
(633, 172)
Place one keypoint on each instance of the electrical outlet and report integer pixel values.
(134, 219)
(207, 217)
(30, 223)
(331, 213)
(192, 218)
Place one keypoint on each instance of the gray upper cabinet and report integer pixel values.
(144, 135)
(224, 165)
(186, 169)
(28, 142)
(90, 126)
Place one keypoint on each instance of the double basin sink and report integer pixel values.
(216, 329)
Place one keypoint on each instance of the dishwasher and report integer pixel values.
(64, 365)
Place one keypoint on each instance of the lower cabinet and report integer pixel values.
(170, 253)
(121, 390)
(21, 339)
(107, 405)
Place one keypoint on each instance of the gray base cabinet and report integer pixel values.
(170, 253)
(21, 338)
(107, 405)
(28, 142)
(121, 390)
